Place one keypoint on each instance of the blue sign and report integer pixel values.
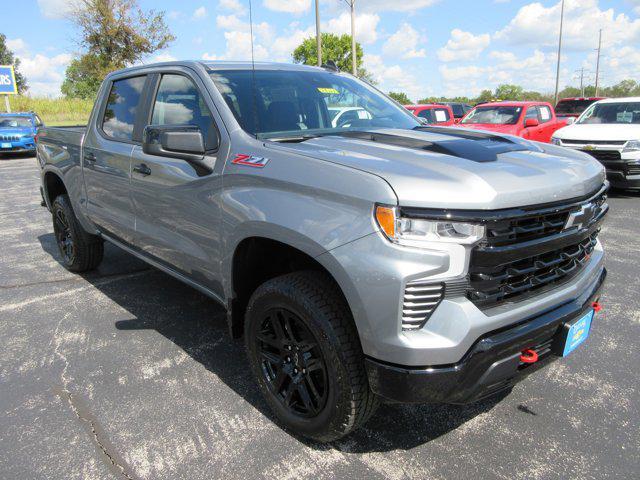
(7, 80)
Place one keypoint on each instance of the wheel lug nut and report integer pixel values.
(304, 370)
(288, 359)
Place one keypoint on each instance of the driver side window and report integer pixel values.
(179, 102)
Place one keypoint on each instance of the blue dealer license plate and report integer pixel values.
(5, 145)
(578, 333)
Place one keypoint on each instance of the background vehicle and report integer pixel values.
(531, 120)
(342, 255)
(609, 130)
(342, 117)
(572, 107)
(459, 109)
(17, 131)
(433, 113)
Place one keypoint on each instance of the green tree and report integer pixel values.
(334, 47)
(400, 97)
(113, 34)
(509, 92)
(485, 96)
(7, 58)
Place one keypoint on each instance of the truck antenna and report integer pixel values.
(253, 75)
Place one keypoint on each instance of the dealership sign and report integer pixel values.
(7, 80)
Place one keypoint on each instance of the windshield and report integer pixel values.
(298, 103)
(494, 115)
(614, 113)
(575, 107)
(13, 122)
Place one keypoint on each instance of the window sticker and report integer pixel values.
(331, 91)
(441, 116)
(624, 117)
(545, 114)
(363, 115)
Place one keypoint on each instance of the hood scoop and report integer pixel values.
(474, 146)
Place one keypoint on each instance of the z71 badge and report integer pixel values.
(250, 161)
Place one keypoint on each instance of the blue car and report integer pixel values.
(17, 131)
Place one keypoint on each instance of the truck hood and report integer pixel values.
(457, 168)
(492, 127)
(599, 132)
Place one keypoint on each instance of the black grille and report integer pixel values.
(532, 226)
(10, 138)
(494, 284)
(604, 155)
(633, 170)
(593, 142)
(533, 248)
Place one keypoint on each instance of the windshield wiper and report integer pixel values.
(293, 138)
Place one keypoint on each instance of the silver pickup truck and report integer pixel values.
(364, 258)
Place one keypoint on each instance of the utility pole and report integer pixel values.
(354, 60)
(598, 61)
(582, 82)
(555, 96)
(318, 38)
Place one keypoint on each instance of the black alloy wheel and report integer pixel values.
(292, 363)
(63, 235)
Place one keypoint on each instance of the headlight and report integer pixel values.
(414, 232)
(555, 141)
(632, 146)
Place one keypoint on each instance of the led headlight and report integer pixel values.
(416, 231)
(632, 146)
(555, 141)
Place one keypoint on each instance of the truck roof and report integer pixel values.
(620, 100)
(17, 114)
(225, 65)
(510, 103)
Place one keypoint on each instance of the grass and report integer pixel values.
(53, 111)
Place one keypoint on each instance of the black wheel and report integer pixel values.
(80, 250)
(306, 356)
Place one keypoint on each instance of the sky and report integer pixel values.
(420, 47)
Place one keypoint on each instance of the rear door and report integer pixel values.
(177, 211)
(547, 123)
(106, 156)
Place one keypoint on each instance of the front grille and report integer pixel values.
(420, 300)
(633, 170)
(529, 249)
(593, 142)
(10, 138)
(490, 285)
(604, 155)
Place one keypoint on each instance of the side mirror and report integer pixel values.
(531, 122)
(570, 120)
(185, 142)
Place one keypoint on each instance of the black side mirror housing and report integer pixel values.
(185, 142)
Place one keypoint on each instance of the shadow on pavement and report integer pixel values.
(197, 325)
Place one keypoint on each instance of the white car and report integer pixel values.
(343, 116)
(609, 130)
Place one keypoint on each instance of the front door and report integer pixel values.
(106, 158)
(177, 208)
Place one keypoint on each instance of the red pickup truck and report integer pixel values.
(572, 107)
(434, 113)
(531, 120)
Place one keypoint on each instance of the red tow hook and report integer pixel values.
(597, 306)
(529, 356)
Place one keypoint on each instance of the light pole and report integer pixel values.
(354, 70)
(318, 38)
(598, 61)
(555, 96)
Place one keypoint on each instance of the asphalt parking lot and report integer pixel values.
(126, 373)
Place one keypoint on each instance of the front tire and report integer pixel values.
(80, 251)
(304, 351)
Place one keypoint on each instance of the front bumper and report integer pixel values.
(619, 180)
(492, 364)
(18, 147)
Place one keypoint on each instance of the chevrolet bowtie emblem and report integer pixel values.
(582, 218)
(589, 147)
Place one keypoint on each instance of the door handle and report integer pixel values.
(142, 169)
(89, 157)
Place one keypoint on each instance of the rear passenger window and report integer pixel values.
(122, 106)
(532, 112)
(179, 102)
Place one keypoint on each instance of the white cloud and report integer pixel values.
(44, 74)
(393, 78)
(282, 47)
(463, 46)
(535, 24)
(234, 6)
(366, 25)
(199, 13)
(56, 8)
(17, 46)
(288, 6)
(404, 43)
(230, 22)
(163, 57)
(378, 6)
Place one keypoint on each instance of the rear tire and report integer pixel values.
(80, 251)
(305, 353)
